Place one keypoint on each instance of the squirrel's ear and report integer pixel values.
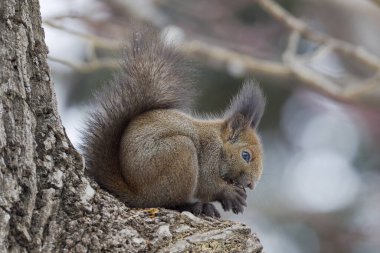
(246, 108)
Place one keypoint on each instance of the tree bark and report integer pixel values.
(46, 202)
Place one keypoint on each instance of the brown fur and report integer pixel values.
(142, 147)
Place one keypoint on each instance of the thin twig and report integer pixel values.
(293, 42)
(304, 73)
(367, 87)
(194, 47)
(98, 41)
(225, 56)
(90, 66)
(344, 47)
(376, 2)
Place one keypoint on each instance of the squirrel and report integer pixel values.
(142, 144)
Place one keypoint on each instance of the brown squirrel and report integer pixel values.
(142, 146)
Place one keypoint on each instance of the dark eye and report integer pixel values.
(246, 156)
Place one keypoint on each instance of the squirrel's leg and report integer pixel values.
(166, 177)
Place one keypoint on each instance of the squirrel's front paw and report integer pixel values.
(233, 198)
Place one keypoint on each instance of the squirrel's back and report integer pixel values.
(154, 76)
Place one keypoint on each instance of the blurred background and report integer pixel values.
(318, 62)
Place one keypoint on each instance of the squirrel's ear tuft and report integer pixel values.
(246, 108)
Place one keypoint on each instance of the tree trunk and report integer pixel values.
(46, 202)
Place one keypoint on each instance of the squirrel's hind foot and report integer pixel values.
(199, 208)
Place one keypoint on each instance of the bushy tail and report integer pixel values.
(153, 76)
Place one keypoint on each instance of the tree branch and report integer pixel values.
(377, 2)
(88, 67)
(295, 24)
(198, 48)
(292, 64)
(225, 56)
(96, 40)
(363, 92)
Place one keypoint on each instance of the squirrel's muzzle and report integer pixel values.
(251, 185)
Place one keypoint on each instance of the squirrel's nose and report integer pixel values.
(251, 185)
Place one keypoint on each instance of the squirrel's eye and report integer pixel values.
(246, 156)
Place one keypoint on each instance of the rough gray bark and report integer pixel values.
(46, 202)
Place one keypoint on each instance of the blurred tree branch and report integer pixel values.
(88, 67)
(96, 40)
(304, 73)
(297, 25)
(376, 2)
(292, 65)
(222, 55)
(195, 47)
(308, 75)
